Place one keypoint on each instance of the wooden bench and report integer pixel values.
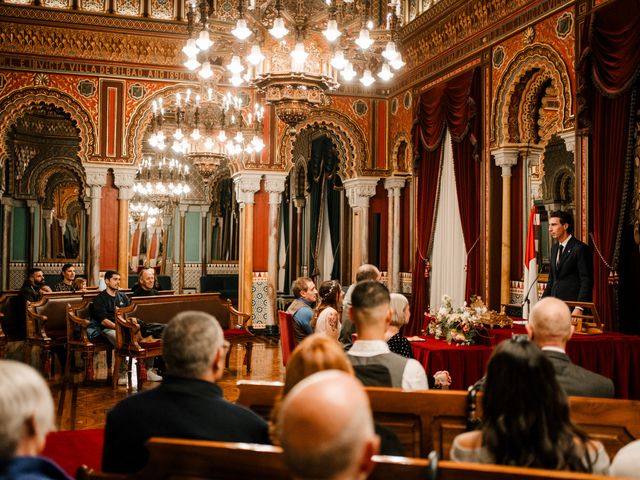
(191, 459)
(161, 309)
(430, 420)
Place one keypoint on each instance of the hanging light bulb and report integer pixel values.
(385, 72)
(370, 24)
(256, 56)
(236, 80)
(204, 41)
(195, 135)
(178, 134)
(192, 63)
(222, 136)
(390, 52)
(364, 41)
(367, 79)
(208, 144)
(331, 33)
(339, 61)
(397, 63)
(348, 73)
(205, 71)
(298, 57)
(241, 32)
(257, 143)
(191, 49)
(278, 30)
(236, 65)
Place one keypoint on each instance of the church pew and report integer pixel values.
(161, 309)
(430, 420)
(188, 459)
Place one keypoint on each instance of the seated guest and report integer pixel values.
(103, 317)
(626, 461)
(364, 273)
(400, 315)
(550, 328)
(326, 318)
(146, 283)
(374, 363)
(327, 428)
(315, 354)
(187, 404)
(301, 308)
(525, 418)
(26, 417)
(80, 284)
(31, 291)
(68, 275)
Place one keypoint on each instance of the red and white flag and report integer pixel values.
(530, 267)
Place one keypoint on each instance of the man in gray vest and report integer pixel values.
(365, 272)
(301, 308)
(370, 356)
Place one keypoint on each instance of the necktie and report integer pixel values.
(560, 249)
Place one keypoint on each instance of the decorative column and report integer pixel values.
(32, 233)
(7, 210)
(167, 221)
(296, 240)
(47, 215)
(246, 184)
(96, 177)
(506, 157)
(359, 191)
(274, 184)
(204, 212)
(183, 208)
(393, 186)
(124, 178)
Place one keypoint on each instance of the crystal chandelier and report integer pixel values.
(295, 57)
(143, 212)
(208, 126)
(161, 180)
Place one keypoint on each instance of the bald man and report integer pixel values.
(326, 428)
(550, 328)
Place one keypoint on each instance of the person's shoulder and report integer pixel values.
(468, 440)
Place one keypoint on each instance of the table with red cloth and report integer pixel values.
(614, 355)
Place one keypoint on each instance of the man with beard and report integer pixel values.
(31, 291)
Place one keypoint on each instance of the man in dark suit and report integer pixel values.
(550, 328)
(570, 276)
(188, 403)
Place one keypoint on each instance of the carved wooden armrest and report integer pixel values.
(74, 321)
(126, 325)
(36, 323)
(241, 319)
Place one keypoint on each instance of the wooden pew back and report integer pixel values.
(190, 459)
(430, 420)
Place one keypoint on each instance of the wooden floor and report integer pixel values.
(84, 406)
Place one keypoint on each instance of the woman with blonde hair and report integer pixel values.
(315, 354)
(326, 317)
(400, 315)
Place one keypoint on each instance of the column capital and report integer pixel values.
(360, 190)
(124, 177)
(204, 210)
(394, 183)
(532, 155)
(569, 138)
(96, 175)
(506, 157)
(32, 204)
(246, 184)
(183, 208)
(125, 193)
(274, 183)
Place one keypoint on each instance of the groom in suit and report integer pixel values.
(570, 276)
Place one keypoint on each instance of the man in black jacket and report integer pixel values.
(188, 403)
(550, 328)
(31, 291)
(146, 283)
(570, 276)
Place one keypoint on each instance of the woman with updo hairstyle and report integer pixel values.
(525, 418)
(400, 315)
(315, 354)
(326, 317)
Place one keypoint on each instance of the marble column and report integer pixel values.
(246, 184)
(296, 240)
(167, 221)
(506, 157)
(359, 191)
(274, 184)
(47, 215)
(393, 186)
(204, 213)
(96, 177)
(183, 208)
(124, 178)
(32, 251)
(7, 211)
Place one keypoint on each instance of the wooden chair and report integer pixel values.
(78, 341)
(587, 324)
(287, 338)
(191, 459)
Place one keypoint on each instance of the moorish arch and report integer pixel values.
(18, 102)
(536, 78)
(40, 179)
(346, 136)
(402, 153)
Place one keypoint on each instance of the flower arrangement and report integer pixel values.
(456, 325)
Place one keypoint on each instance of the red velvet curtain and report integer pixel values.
(610, 62)
(447, 105)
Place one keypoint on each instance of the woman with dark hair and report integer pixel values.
(326, 317)
(68, 275)
(526, 419)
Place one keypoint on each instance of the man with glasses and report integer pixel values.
(187, 404)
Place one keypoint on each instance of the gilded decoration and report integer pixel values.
(105, 46)
(93, 5)
(360, 107)
(528, 36)
(535, 66)
(130, 8)
(136, 91)
(41, 80)
(56, 3)
(394, 106)
(407, 100)
(14, 105)
(163, 9)
(87, 88)
(498, 56)
(402, 153)
(564, 25)
(3, 82)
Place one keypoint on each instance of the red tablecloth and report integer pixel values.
(614, 355)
